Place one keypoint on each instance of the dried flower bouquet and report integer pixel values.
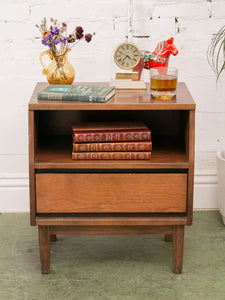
(56, 38)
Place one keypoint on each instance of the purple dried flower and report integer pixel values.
(56, 42)
(47, 40)
(54, 31)
(46, 43)
(60, 40)
(53, 35)
(88, 37)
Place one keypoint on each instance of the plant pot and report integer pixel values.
(221, 182)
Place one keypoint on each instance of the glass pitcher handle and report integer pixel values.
(44, 72)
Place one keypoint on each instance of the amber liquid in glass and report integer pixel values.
(163, 86)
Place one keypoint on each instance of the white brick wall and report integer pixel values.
(191, 22)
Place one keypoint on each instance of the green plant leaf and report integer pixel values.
(216, 52)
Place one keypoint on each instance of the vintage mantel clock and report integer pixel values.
(127, 56)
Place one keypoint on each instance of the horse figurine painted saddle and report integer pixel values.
(158, 58)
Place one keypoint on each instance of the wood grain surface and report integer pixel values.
(123, 99)
(111, 193)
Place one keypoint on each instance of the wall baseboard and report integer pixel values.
(205, 192)
(14, 192)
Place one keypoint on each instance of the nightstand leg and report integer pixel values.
(178, 248)
(44, 245)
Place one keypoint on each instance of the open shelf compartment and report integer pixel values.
(54, 139)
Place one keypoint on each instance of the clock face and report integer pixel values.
(127, 56)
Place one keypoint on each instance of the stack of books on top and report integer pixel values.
(111, 140)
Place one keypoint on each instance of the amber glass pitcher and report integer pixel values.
(59, 71)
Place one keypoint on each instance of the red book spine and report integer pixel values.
(110, 155)
(110, 147)
(111, 136)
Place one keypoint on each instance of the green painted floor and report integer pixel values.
(112, 267)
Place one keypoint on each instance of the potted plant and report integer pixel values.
(216, 59)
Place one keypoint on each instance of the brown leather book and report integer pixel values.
(105, 126)
(89, 132)
(111, 155)
(112, 136)
(114, 146)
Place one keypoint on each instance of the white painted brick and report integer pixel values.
(209, 96)
(17, 31)
(205, 162)
(15, 137)
(190, 65)
(199, 29)
(165, 9)
(22, 71)
(14, 12)
(188, 10)
(12, 2)
(218, 9)
(16, 98)
(81, 9)
(154, 28)
(210, 133)
(14, 164)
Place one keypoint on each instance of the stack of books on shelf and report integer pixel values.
(111, 140)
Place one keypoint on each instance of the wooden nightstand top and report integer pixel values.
(122, 100)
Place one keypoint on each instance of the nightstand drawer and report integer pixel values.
(101, 193)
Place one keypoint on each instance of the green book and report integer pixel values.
(87, 93)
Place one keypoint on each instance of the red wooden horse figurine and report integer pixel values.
(158, 58)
